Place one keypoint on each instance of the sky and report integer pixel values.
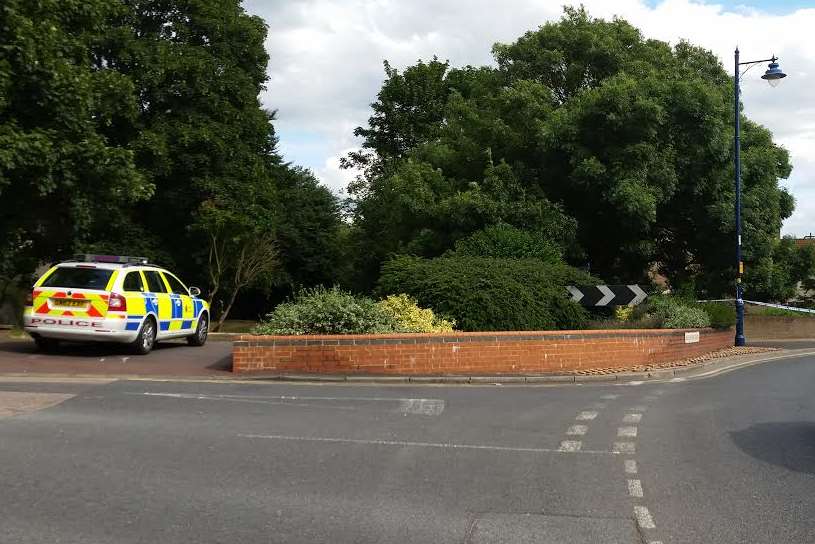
(326, 63)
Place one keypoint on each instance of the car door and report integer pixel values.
(157, 300)
(183, 322)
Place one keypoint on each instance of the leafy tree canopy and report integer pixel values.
(616, 148)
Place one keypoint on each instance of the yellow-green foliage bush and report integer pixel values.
(410, 318)
(623, 313)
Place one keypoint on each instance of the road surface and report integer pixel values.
(727, 459)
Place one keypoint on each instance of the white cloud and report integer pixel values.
(326, 63)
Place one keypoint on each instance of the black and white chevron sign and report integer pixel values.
(607, 295)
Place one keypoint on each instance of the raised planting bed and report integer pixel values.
(472, 353)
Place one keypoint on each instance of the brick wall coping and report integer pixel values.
(450, 338)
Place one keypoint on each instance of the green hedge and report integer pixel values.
(722, 316)
(490, 294)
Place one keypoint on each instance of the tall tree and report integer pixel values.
(63, 177)
(586, 125)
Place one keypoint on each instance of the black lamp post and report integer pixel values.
(773, 75)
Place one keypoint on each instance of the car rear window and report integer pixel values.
(78, 278)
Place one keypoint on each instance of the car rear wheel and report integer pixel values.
(46, 344)
(201, 332)
(146, 339)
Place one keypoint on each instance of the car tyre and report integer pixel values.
(201, 332)
(146, 338)
(46, 344)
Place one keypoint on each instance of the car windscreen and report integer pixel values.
(78, 278)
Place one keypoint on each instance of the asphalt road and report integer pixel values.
(727, 459)
(168, 358)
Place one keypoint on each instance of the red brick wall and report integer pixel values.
(469, 353)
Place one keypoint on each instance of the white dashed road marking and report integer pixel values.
(408, 444)
(630, 466)
(586, 416)
(638, 409)
(632, 418)
(625, 447)
(627, 432)
(570, 446)
(577, 430)
(643, 517)
(635, 383)
(677, 380)
(609, 397)
(635, 488)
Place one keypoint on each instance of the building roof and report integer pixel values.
(805, 241)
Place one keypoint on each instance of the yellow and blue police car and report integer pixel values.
(111, 298)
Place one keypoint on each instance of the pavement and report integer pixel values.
(726, 458)
(19, 356)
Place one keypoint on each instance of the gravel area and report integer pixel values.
(729, 352)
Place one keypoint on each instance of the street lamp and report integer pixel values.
(773, 75)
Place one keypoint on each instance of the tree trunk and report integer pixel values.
(225, 313)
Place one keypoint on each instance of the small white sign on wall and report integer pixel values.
(691, 337)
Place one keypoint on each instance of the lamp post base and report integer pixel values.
(740, 339)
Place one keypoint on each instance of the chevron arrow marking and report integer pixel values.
(608, 295)
(639, 295)
(577, 294)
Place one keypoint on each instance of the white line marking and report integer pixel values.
(577, 430)
(124, 359)
(636, 383)
(677, 380)
(635, 488)
(638, 409)
(624, 447)
(627, 432)
(586, 416)
(643, 517)
(281, 397)
(609, 397)
(428, 407)
(630, 466)
(570, 446)
(404, 444)
(632, 418)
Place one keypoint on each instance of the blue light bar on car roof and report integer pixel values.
(116, 259)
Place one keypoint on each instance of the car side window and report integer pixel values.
(175, 285)
(132, 283)
(154, 283)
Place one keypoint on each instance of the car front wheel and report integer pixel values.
(201, 332)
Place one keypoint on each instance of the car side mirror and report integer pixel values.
(194, 291)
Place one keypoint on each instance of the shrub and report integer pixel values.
(672, 313)
(408, 317)
(490, 294)
(686, 317)
(327, 311)
(504, 241)
(722, 316)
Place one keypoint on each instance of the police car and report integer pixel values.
(114, 299)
